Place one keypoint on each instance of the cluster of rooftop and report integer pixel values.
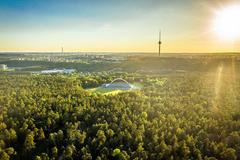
(3, 67)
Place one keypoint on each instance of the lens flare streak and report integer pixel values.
(218, 81)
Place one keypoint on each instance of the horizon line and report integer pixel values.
(124, 52)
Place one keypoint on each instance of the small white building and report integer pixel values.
(66, 71)
(118, 83)
(3, 67)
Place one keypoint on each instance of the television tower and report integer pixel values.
(159, 43)
(62, 49)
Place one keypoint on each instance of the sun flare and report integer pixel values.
(227, 22)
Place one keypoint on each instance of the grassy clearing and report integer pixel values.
(105, 91)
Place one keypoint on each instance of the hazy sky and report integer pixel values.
(110, 25)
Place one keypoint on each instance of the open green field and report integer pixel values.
(105, 91)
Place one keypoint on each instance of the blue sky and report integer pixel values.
(105, 25)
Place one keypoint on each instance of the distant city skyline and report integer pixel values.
(112, 26)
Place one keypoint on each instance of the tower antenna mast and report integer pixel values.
(159, 43)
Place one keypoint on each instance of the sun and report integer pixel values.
(226, 23)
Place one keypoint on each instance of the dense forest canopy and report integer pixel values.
(189, 116)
